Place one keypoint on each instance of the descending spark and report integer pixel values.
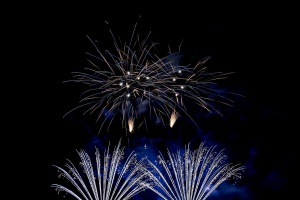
(133, 81)
(130, 124)
(110, 180)
(193, 174)
(173, 118)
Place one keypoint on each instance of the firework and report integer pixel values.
(193, 174)
(135, 84)
(111, 179)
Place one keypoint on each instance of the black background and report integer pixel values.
(254, 41)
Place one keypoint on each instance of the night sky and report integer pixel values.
(254, 42)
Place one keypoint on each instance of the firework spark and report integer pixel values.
(193, 174)
(173, 118)
(110, 180)
(136, 84)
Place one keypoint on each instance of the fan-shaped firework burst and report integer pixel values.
(109, 179)
(136, 84)
(193, 174)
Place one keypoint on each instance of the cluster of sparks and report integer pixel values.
(109, 179)
(189, 175)
(136, 84)
(194, 174)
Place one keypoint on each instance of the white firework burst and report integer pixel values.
(192, 175)
(110, 179)
(136, 84)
